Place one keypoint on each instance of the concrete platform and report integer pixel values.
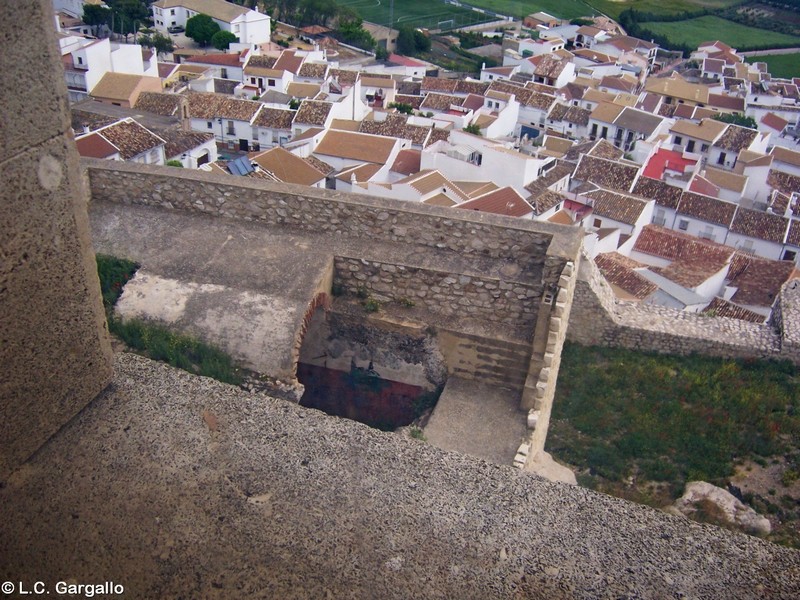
(481, 420)
(177, 486)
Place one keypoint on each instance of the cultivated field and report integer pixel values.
(703, 29)
(429, 14)
(780, 65)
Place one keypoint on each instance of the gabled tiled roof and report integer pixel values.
(619, 271)
(705, 208)
(637, 120)
(356, 146)
(429, 180)
(553, 175)
(618, 207)
(675, 246)
(274, 118)
(228, 60)
(210, 106)
(157, 103)
(439, 84)
(313, 112)
(605, 149)
(758, 280)
(407, 161)
(793, 237)
(548, 65)
(319, 165)
(179, 141)
(775, 122)
(544, 201)
(734, 103)
(131, 138)
(289, 61)
(503, 201)
(614, 175)
(82, 118)
(470, 87)
(262, 61)
(785, 155)
(664, 194)
(441, 101)
(577, 115)
(313, 70)
(413, 101)
(95, 145)
(288, 167)
(760, 225)
(437, 135)
(736, 138)
(783, 182)
(344, 76)
(722, 308)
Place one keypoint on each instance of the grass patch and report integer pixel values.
(416, 13)
(667, 419)
(155, 341)
(780, 65)
(693, 32)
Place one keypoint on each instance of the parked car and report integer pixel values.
(176, 29)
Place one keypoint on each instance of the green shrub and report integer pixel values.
(371, 305)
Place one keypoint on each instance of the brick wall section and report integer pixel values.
(786, 319)
(490, 300)
(466, 232)
(599, 319)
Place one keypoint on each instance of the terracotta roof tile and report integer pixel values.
(722, 308)
(319, 165)
(229, 60)
(619, 271)
(503, 201)
(605, 149)
(407, 161)
(288, 167)
(313, 70)
(82, 118)
(613, 175)
(413, 101)
(793, 237)
(786, 155)
(274, 118)
(707, 209)
(736, 138)
(356, 146)
(673, 245)
(438, 84)
(95, 145)
(618, 207)
(441, 102)
(179, 141)
(664, 194)
(345, 77)
(313, 112)
(210, 106)
(758, 280)
(760, 225)
(544, 201)
(262, 61)
(131, 138)
(471, 87)
(783, 182)
(158, 103)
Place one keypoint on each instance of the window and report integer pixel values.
(224, 73)
(271, 82)
(659, 217)
(597, 223)
(678, 140)
(707, 233)
(231, 129)
(209, 124)
(690, 146)
(683, 224)
(721, 159)
(172, 12)
(704, 148)
(604, 133)
(80, 60)
(789, 255)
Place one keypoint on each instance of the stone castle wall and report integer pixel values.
(491, 300)
(598, 318)
(468, 233)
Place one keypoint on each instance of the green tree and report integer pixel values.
(201, 28)
(401, 107)
(405, 41)
(317, 12)
(352, 31)
(157, 41)
(473, 128)
(223, 39)
(127, 15)
(737, 119)
(422, 42)
(95, 15)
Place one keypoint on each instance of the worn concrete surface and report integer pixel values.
(180, 487)
(257, 330)
(478, 419)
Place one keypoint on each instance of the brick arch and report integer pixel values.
(322, 299)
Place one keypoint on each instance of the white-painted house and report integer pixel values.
(250, 26)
